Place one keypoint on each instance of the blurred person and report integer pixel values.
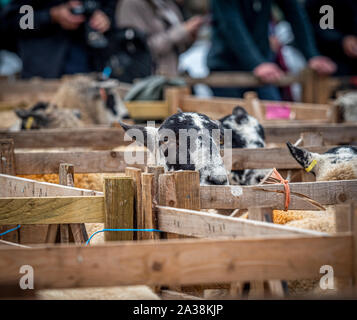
(339, 43)
(240, 42)
(57, 44)
(162, 22)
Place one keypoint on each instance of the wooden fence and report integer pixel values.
(247, 250)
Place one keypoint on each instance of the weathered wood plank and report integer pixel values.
(51, 210)
(8, 166)
(98, 137)
(104, 137)
(84, 161)
(209, 225)
(239, 79)
(22, 187)
(119, 207)
(219, 107)
(180, 262)
(332, 133)
(114, 161)
(266, 158)
(243, 197)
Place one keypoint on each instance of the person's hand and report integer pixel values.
(193, 24)
(99, 21)
(62, 15)
(349, 45)
(322, 65)
(268, 72)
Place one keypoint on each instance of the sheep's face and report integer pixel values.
(185, 141)
(34, 118)
(338, 163)
(43, 116)
(247, 132)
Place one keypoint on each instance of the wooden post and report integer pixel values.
(119, 207)
(149, 216)
(308, 86)
(257, 287)
(342, 218)
(253, 103)
(138, 218)
(7, 166)
(353, 213)
(173, 96)
(180, 190)
(77, 231)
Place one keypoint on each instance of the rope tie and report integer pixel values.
(276, 178)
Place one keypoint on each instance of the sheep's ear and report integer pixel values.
(302, 156)
(22, 113)
(140, 134)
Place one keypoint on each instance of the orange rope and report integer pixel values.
(275, 177)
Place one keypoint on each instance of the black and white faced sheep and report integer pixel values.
(348, 104)
(247, 132)
(185, 141)
(98, 101)
(339, 163)
(46, 116)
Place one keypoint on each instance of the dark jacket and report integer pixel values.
(44, 49)
(240, 32)
(329, 41)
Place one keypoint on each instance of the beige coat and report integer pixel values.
(165, 43)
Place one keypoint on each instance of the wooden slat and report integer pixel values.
(104, 137)
(147, 109)
(266, 158)
(8, 166)
(52, 210)
(239, 79)
(119, 207)
(332, 133)
(114, 161)
(174, 262)
(84, 161)
(220, 107)
(99, 137)
(210, 225)
(22, 187)
(243, 197)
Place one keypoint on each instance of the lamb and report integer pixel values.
(46, 116)
(339, 163)
(185, 141)
(348, 104)
(247, 132)
(98, 101)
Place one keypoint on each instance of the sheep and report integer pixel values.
(46, 116)
(339, 163)
(247, 132)
(185, 141)
(98, 101)
(348, 104)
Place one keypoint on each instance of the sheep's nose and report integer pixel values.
(217, 180)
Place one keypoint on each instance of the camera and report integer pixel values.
(94, 38)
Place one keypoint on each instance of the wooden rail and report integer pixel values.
(107, 138)
(266, 252)
(176, 262)
(45, 162)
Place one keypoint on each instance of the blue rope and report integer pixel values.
(145, 230)
(13, 229)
